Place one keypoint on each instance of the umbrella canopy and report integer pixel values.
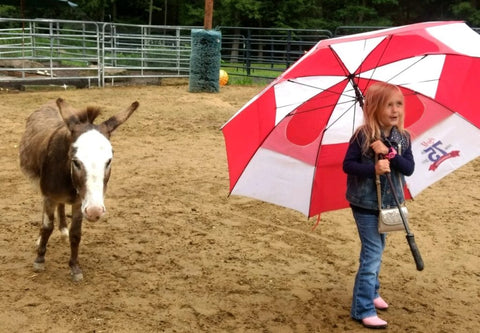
(286, 146)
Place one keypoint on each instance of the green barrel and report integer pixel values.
(205, 60)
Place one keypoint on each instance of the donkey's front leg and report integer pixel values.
(45, 232)
(62, 221)
(75, 236)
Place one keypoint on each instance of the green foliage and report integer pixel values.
(192, 14)
(8, 11)
(466, 11)
(94, 9)
(299, 14)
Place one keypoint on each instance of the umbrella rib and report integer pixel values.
(340, 62)
(359, 70)
(329, 105)
(349, 76)
(405, 69)
(311, 86)
(288, 115)
(321, 91)
(341, 116)
(326, 106)
(320, 147)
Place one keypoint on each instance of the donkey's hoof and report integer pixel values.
(76, 277)
(38, 266)
(64, 234)
(76, 274)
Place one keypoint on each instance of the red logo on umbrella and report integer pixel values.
(437, 154)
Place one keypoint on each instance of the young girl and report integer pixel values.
(382, 134)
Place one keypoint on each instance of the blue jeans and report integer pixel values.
(366, 281)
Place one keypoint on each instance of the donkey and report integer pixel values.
(69, 158)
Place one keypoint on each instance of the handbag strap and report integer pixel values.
(378, 183)
(379, 191)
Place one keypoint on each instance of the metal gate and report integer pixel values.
(85, 54)
(89, 54)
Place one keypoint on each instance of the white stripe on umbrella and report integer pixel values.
(292, 93)
(457, 38)
(354, 53)
(420, 74)
(442, 149)
(274, 177)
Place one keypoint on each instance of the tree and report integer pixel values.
(468, 11)
(306, 14)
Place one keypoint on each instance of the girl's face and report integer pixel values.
(392, 112)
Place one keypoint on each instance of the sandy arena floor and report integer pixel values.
(176, 254)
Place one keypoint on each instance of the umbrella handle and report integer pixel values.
(415, 252)
(410, 237)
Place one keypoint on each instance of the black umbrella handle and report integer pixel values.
(415, 252)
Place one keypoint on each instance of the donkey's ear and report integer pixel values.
(68, 113)
(113, 122)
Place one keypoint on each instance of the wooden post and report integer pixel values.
(208, 18)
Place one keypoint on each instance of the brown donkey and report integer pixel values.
(69, 158)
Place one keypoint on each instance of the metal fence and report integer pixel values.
(258, 52)
(43, 50)
(143, 51)
(90, 53)
(85, 54)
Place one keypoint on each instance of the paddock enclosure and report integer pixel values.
(174, 253)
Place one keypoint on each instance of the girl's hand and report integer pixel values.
(382, 167)
(379, 147)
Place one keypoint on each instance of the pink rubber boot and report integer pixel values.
(374, 322)
(380, 303)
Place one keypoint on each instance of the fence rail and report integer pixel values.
(85, 54)
(265, 52)
(90, 53)
(48, 51)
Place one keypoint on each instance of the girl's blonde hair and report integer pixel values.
(376, 98)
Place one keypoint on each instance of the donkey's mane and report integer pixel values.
(89, 114)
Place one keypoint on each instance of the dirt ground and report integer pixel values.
(176, 254)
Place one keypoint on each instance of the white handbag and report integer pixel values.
(390, 219)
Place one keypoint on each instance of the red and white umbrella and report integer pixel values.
(286, 146)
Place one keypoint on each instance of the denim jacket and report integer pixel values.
(360, 169)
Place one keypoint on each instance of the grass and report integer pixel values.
(248, 81)
(260, 73)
